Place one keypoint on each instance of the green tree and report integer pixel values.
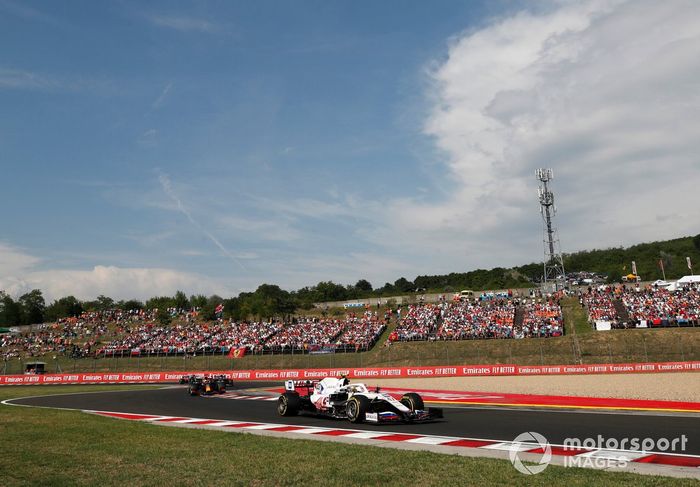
(64, 308)
(329, 291)
(130, 304)
(10, 310)
(363, 285)
(305, 297)
(160, 302)
(180, 301)
(386, 289)
(198, 300)
(33, 307)
(104, 303)
(403, 285)
(208, 311)
(232, 309)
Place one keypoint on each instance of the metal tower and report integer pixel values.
(554, 277)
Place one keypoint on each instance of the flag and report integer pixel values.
(237, 352)
(690, 265)
(634, 268)
(219, 308)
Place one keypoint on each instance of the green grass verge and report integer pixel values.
(575, 319)
(53, 447)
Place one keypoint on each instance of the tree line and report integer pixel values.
(269, 300)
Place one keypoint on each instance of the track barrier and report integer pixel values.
(355, 373)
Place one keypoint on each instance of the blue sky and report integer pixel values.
(214, 146)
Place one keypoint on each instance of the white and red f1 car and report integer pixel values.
(337, 398)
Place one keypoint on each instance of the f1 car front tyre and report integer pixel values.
(356, 408)
(412, 401)
(192, 391)
(288, 404)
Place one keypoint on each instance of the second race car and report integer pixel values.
(205, 385)
(337, 398)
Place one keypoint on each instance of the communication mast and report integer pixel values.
(554, 277)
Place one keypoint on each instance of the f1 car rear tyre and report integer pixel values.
(412, 401)
(288, 404)
(193, 391)
(356, 408)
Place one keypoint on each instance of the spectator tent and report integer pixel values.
(686, 280)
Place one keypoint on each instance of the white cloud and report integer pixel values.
(14, 260)
(269, 229)
(12, 78)
(20, 79)
(121, 283)
(161, 98)
(26, 12)
(19, 275)
(604, 92)
(168, 189)
(148, 138)
(292, 270)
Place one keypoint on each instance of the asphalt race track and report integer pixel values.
(467, 422)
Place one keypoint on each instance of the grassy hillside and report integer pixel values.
(613, 262)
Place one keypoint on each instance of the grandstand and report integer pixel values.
(480, 320)
(300, 336)
(650, 307)
(134, 333)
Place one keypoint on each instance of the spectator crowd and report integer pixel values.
(137, 332)
(75, 337)
(644, 307)
(541, 319)
(123, 334)
(660, 307)
(479, 319)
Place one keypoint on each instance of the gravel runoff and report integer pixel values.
(683, 386)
